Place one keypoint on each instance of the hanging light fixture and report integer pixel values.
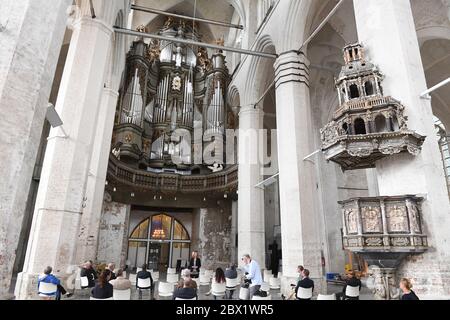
(158, 230)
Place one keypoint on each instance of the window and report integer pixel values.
(141, 231)
(160, 241)
(345, 128)
(395, 125)
(360, 126)
(354, 92)
(161, 225)
(368, 88)
(380, 124)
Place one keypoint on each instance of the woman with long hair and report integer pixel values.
(103, 289)
(220, 276)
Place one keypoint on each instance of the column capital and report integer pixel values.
(250, 109)
(291, 66)
(94, 23)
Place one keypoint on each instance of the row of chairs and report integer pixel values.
(350, 292)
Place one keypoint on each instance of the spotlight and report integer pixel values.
(114, 189)
(132, 194)
(225, 196)
(106, 182)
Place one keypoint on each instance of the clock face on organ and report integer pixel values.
(168, 87)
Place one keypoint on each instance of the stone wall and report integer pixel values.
(212, 235)
(112, 243)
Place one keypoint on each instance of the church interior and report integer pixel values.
(312, 133)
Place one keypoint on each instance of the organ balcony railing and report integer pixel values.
(223, 181)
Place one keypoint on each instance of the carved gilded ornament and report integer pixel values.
(141, 28)
(397, 219)
(351, 220)
(176, 83)
(371, 217)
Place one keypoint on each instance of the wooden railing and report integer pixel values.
(365, 104)
(224, 181)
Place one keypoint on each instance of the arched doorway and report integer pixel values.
(161, 241)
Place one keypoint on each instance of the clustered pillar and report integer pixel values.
(61, 195)
(29, 54)
(299, 230)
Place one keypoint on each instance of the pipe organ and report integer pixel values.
(168, 90)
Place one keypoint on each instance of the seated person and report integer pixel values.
(188, 291)
(352, 281)
(219, 278)
(231, 272)
(292, 295)
(305, 283)
(89, 272)
(120, 283)
(111, 267)
(103, 289)
(145, 274)
(48, 277)
(186, 276)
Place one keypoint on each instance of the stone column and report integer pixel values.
(251, 229)
(55, 228)
(113, 232)
(90, 219)
(388, 32)
(31, 35)
(300, 236)
(214, 236)
(234, 228)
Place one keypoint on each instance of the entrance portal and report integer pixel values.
(161, 241)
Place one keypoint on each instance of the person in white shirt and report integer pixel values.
(253, 273)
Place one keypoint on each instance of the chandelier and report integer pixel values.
(158, 231)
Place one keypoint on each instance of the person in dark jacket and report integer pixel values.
(195, 264)
(188, 291)
(103, 289)
(89, 272)
(408, 294)
(145, 274)
(352, 281)
(305, 283)
(48, 277)
(231, 273)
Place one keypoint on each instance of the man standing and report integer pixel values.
(253, 274)
(194, 265)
